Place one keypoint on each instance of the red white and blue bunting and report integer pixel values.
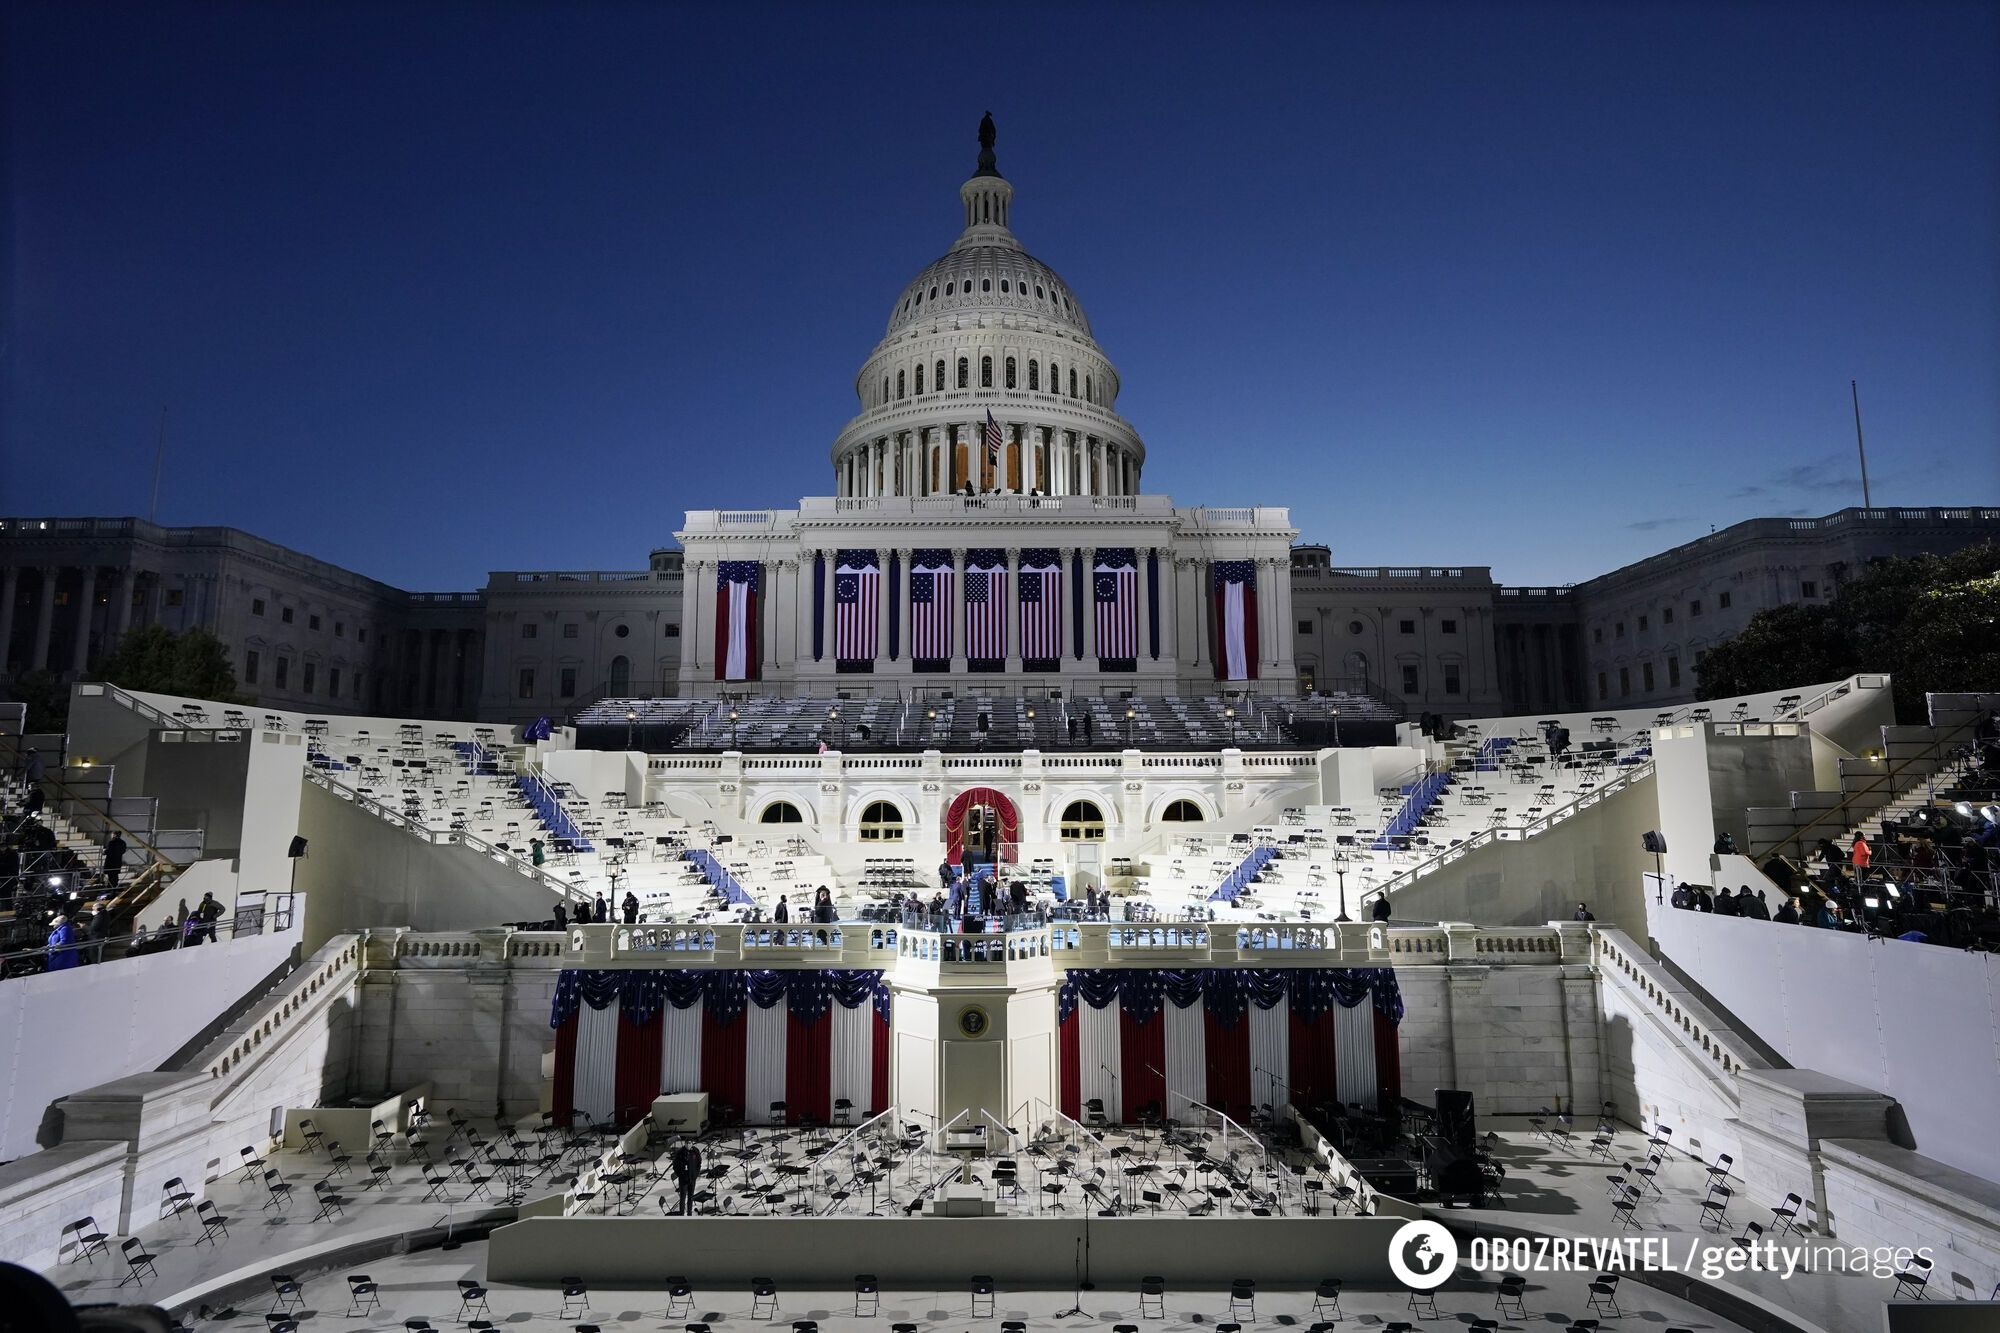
(753, 1040)
(1143, 1040)
(1235, 619)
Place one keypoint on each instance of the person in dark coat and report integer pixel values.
(208, 911)
(33, 769)
(1380, 911)
(62, 944)
(1788, 912)
(600, 910)
(945, 874)
(1017, 897)
(562, 917)
(1583, 912)
(782, 913)
(1086, 728)
(114, 859)
(1757, 907)
(631, 908)
(823, 913)
(687, 1173)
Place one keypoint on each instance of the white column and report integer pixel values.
(1012, 602)
(882, 606)
(697, 630)
(1089, 607)
(958, 611)
(1170, 608)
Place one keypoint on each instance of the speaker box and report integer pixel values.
(1653, 842)
(297, 849)
(1455, 1118)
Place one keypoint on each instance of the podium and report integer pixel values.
(681, 1112)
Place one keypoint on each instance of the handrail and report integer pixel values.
(1891, 770)
(242, 925)
(1013, 1135)
(131, 838)
(442, 837)
(1543, 822)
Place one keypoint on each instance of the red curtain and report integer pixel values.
(808, 1068)
(1072, 1065)
(878, 1076)
(1220, 650)
(1142, 1050)
(1228, 1050)
(724, 1049)
(565, 1092)
(1312, 1060)
(638, 1078)
(1388, 1061)
(954, 822)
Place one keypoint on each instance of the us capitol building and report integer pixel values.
(988, 529)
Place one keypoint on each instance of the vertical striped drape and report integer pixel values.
(597, 1061)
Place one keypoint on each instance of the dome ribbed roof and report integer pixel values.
(997, 279)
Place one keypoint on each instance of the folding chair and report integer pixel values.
(139, 1264)
(211, 1221)
(363, 1295)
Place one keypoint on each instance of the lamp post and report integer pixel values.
(631, 722)
(733, 743)
(1340, 871)
(833, 726)
(1230, 713)
(1334, 713)
(1031, 724)
(1131, 714)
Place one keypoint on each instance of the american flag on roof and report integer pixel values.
(992, 439)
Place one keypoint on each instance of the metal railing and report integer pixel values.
(90, 951)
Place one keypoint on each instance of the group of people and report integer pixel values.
(822, 912)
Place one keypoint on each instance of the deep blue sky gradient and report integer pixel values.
(430, 290)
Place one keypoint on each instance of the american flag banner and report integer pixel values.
(1235, 616)
(985, 607)
(1041, 608)
(857, 594)
(737, 583)
(993, 442)
(1117, 599)
(931, 604)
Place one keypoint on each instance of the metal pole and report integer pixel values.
(1854, 389)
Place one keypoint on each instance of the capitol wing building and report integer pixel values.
(988, 528)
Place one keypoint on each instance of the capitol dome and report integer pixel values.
(987, 330)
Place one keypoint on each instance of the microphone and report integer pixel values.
(1109, 1070)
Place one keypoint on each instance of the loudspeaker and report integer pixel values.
(297, 849)
(1455, 1119)
(1653, 843)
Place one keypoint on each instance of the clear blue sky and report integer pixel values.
(429, 290)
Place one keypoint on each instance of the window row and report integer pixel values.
(1647, 679)
(910, 382)
(1723, 601)
(532, 630)
(1015, 286)
(309, 676)
(287, 616)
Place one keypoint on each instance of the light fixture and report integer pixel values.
(1230, 712)
(631, 715)
(732, 715)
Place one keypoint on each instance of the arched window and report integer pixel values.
(621, 675)
(964, 373)
(1003, 287)
(1082, 821)
(986, 284)
(781, 812)
(881, 821)
(885, 388)
(1072, 381)
(1088, 396)
(1181, 812)
(948, 287)
(985, 372)
(940, 377)
(1038, 291)
(920, 379)
(1055, 378)
(1034, 374)
(934, 291)
(1010, 373)
(899, 384)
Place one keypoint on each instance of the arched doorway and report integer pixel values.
(621, 675)
(984, 821)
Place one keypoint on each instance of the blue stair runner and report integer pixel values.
(1418, 798)
(1491, 751)
(1240, 877)
(712, 871)
(476, 760)
(549, 810)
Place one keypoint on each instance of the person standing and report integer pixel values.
(600, 910)
(945, 873)
(1861, 855)
(537, 852)
(62, 944)
(631, 908)
(114, 859)
(823, 913)
(562, 917)
(1583, 912)
(782, 913)
(1380, 912)
(33, 768)
(209, 911)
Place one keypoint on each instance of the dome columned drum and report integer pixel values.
(987, 333)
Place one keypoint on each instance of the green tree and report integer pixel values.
(1931, 622)
(155, 659)
(47, 696)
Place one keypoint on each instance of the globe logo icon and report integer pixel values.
(1422, 1255)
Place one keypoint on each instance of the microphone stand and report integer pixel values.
(1076, 1268)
